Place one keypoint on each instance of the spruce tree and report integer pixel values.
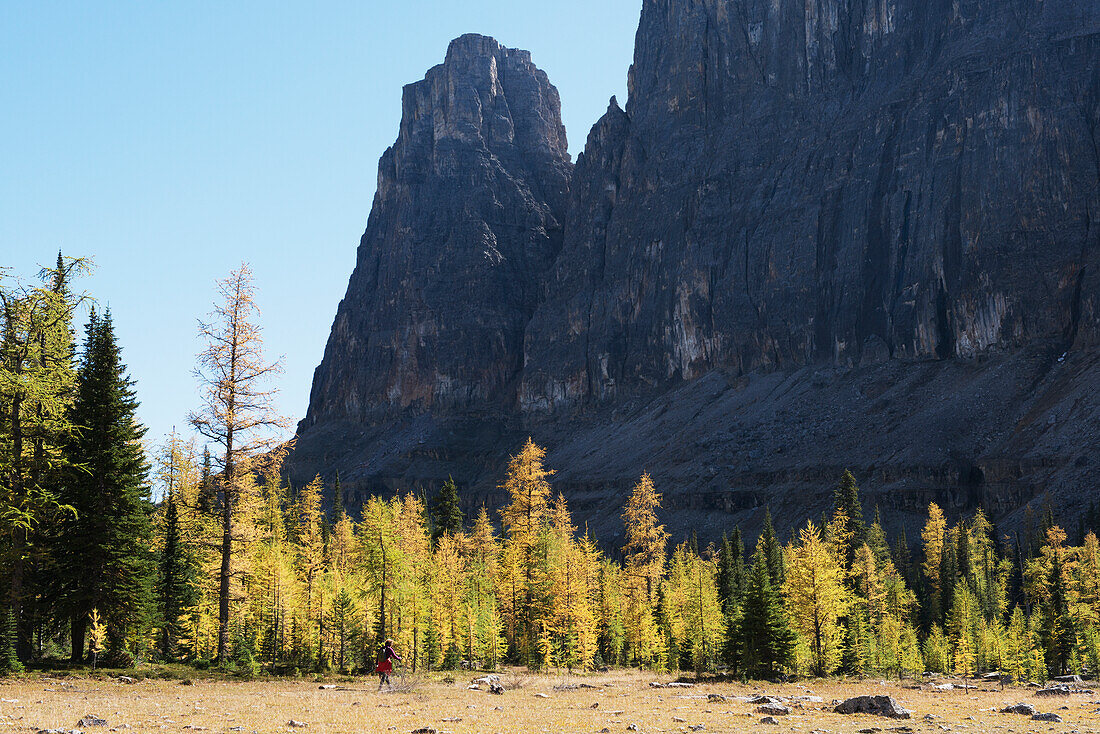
(724, 580)
(766, 641)
(731, 594)
(773, 551)
(853, 659)
(176, 589)
(846, 500)
(207, 500)
(739, 575)
(446, 512)
(337, 497)
(103, 559)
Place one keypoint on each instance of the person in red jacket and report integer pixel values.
(384, 667)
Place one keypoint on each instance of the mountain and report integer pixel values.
(825, 234)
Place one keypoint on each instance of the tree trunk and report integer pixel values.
(78, 625)
(223, 590)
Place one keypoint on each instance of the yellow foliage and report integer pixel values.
(817, 597)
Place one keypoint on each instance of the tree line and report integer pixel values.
(236, 568)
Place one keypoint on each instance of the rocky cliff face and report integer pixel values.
(829, 182)
(466, 221)
(820, 234)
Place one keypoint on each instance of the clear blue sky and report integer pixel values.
(170, 141)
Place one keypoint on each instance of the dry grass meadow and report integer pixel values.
(532, 703)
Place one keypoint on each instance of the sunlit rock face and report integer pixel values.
(829, 182)
(466, 221)
(817, 235)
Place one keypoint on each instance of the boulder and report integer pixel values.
(1053, 718)
(773, 709)
(1051, 691)
(874, 705)
(1024, 709)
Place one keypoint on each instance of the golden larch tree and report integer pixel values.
(932, 537)
(817, 596)
(644, 555)
(525, 522)
(238, 411)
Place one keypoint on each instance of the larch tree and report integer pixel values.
(448, 585)
(310, 553)
(817, 596)
(37, 383)
(644, 562)
(962, 621)
(238, 412)
(933, 543)
(525, 520)
(484, 636)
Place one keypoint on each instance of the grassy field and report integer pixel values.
(531, 703)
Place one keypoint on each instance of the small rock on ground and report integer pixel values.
(770, 720)
(1053, 718)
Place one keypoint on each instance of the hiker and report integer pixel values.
(384, 667)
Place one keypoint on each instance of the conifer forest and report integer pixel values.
(198, 551)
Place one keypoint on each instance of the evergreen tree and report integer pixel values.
(176, 591)
(102, 553)
(853, 659)
(765, 638)
(446, 512)
(732, 578)
(338, 508)
(846, 500)
(208, 499)
(731, 571)
(773, 551)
